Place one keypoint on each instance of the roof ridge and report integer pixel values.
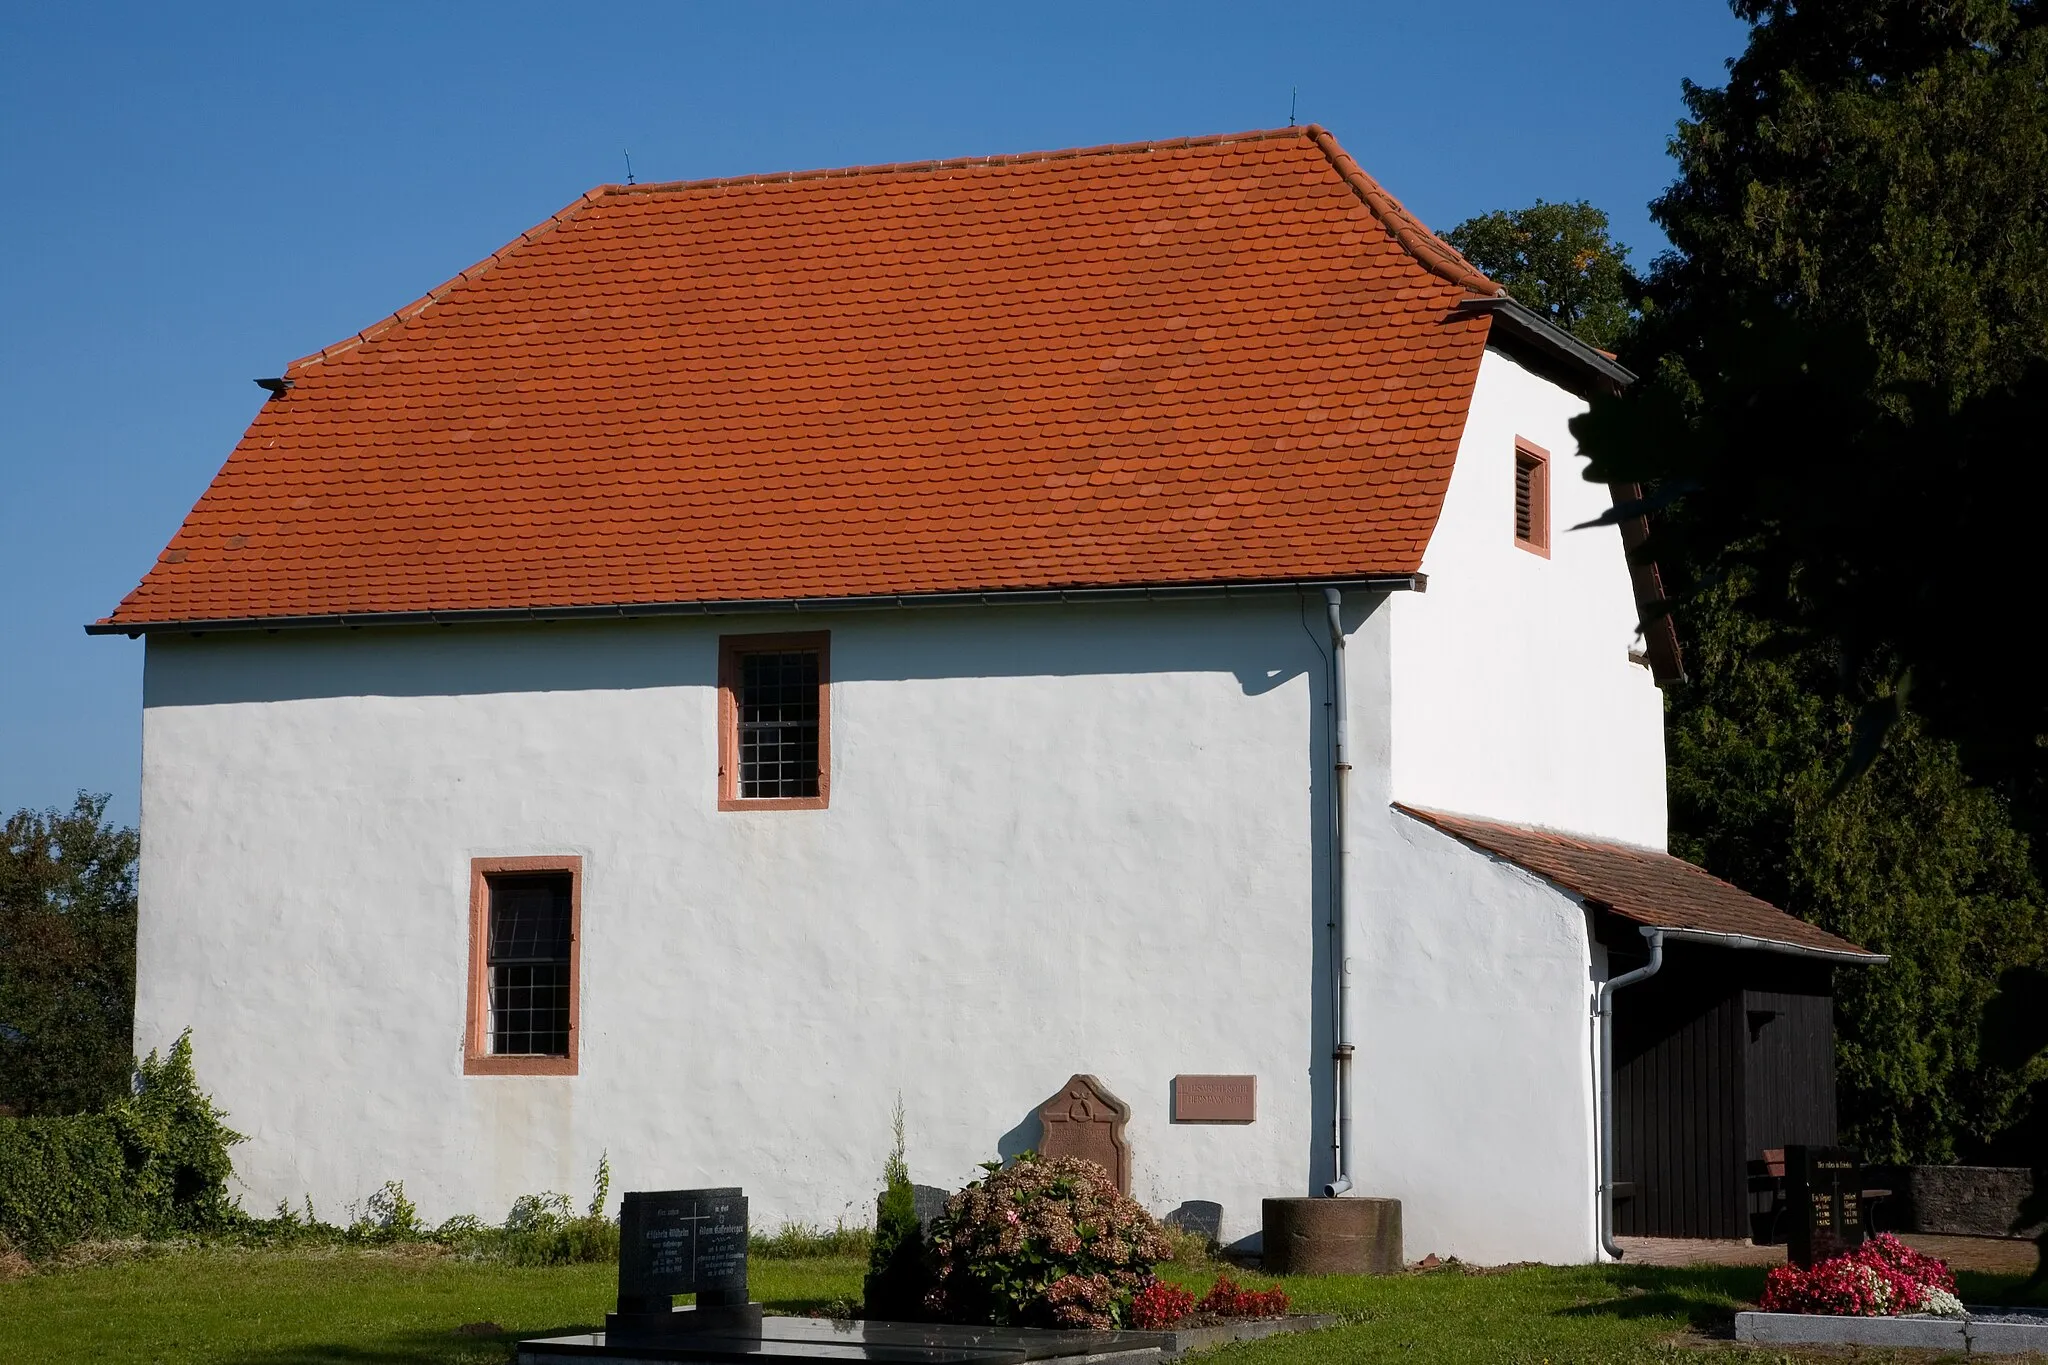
(591, 196)
(953, 163)
(1431, 251)
(434, 295)
(1436, 255)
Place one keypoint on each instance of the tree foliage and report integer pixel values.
(1912, 860)
(1559, 260)
(1841, 418)
(1845, 356)
(154, 1162)
(67, 959)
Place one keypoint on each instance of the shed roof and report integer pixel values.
(1647, 887)
(1223, 360)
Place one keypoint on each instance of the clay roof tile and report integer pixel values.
(1643, 885)
(1022, 371)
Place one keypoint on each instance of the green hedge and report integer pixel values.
(152, 1164)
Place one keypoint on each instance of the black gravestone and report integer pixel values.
(1203, 1217)
(930, 1202)
(681, 1242)
(1824, 1196)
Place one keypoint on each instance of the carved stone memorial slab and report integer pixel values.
(1824, 1203)
(1215, 1099)
(1083, 1119)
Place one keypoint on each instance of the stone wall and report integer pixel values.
(1974, 1201)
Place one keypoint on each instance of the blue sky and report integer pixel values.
(198, 194)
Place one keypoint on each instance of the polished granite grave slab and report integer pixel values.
(833, 1339)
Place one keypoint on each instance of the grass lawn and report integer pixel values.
(352, 1307)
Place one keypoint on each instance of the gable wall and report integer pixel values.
(1514, 697)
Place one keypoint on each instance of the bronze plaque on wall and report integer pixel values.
(1215, 1099)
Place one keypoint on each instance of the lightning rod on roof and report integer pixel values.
(629, 164)
(1293, 95)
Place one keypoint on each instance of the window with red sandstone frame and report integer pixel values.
(524, 931)
(774, 721)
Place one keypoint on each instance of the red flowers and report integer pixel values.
(1226, 1300)
(1159, 1305)
(1883, 1276)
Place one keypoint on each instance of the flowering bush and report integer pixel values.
(1160, 1305)
(1226, 1300)
(1044, 1242)
(1881, 1277)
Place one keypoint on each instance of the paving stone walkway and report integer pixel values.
(1992, 1255)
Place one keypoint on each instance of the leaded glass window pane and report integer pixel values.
(529, 965)
(778, 724)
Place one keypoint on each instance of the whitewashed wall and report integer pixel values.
(1060, 840)
(1470, 990)
(1514, 697)
(1474, 1049)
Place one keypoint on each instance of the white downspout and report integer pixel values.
(1340, 960)
(1603, 1007)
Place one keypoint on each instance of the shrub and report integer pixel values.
(388, 1216)
(899, 1266)
(176, 1146)
(1881, 1277)
(544, 1229)
(61, 1180)
(154, 1164)
(1160, 1305)
(1047, 1241)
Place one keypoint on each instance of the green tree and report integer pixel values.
(1559, 260)
(1841, 418)
(1845, 356)
(67, 959)
(1911, 860)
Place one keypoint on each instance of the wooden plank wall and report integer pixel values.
(1719, 1057)
(1680, 1124)
(1789, 1076)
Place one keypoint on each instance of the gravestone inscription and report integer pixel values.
(1824, 1200)
(681, 1242)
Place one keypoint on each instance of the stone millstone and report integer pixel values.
(1332, 1236)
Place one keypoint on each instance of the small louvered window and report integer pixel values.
(1532, 497)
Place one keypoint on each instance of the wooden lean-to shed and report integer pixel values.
(1726, 1053)
(1722, 1056)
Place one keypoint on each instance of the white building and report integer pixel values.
(755, 649)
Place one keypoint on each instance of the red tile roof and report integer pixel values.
(1217, 360)
(1640, 884)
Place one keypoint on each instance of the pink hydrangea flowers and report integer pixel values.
(1045, 1241)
